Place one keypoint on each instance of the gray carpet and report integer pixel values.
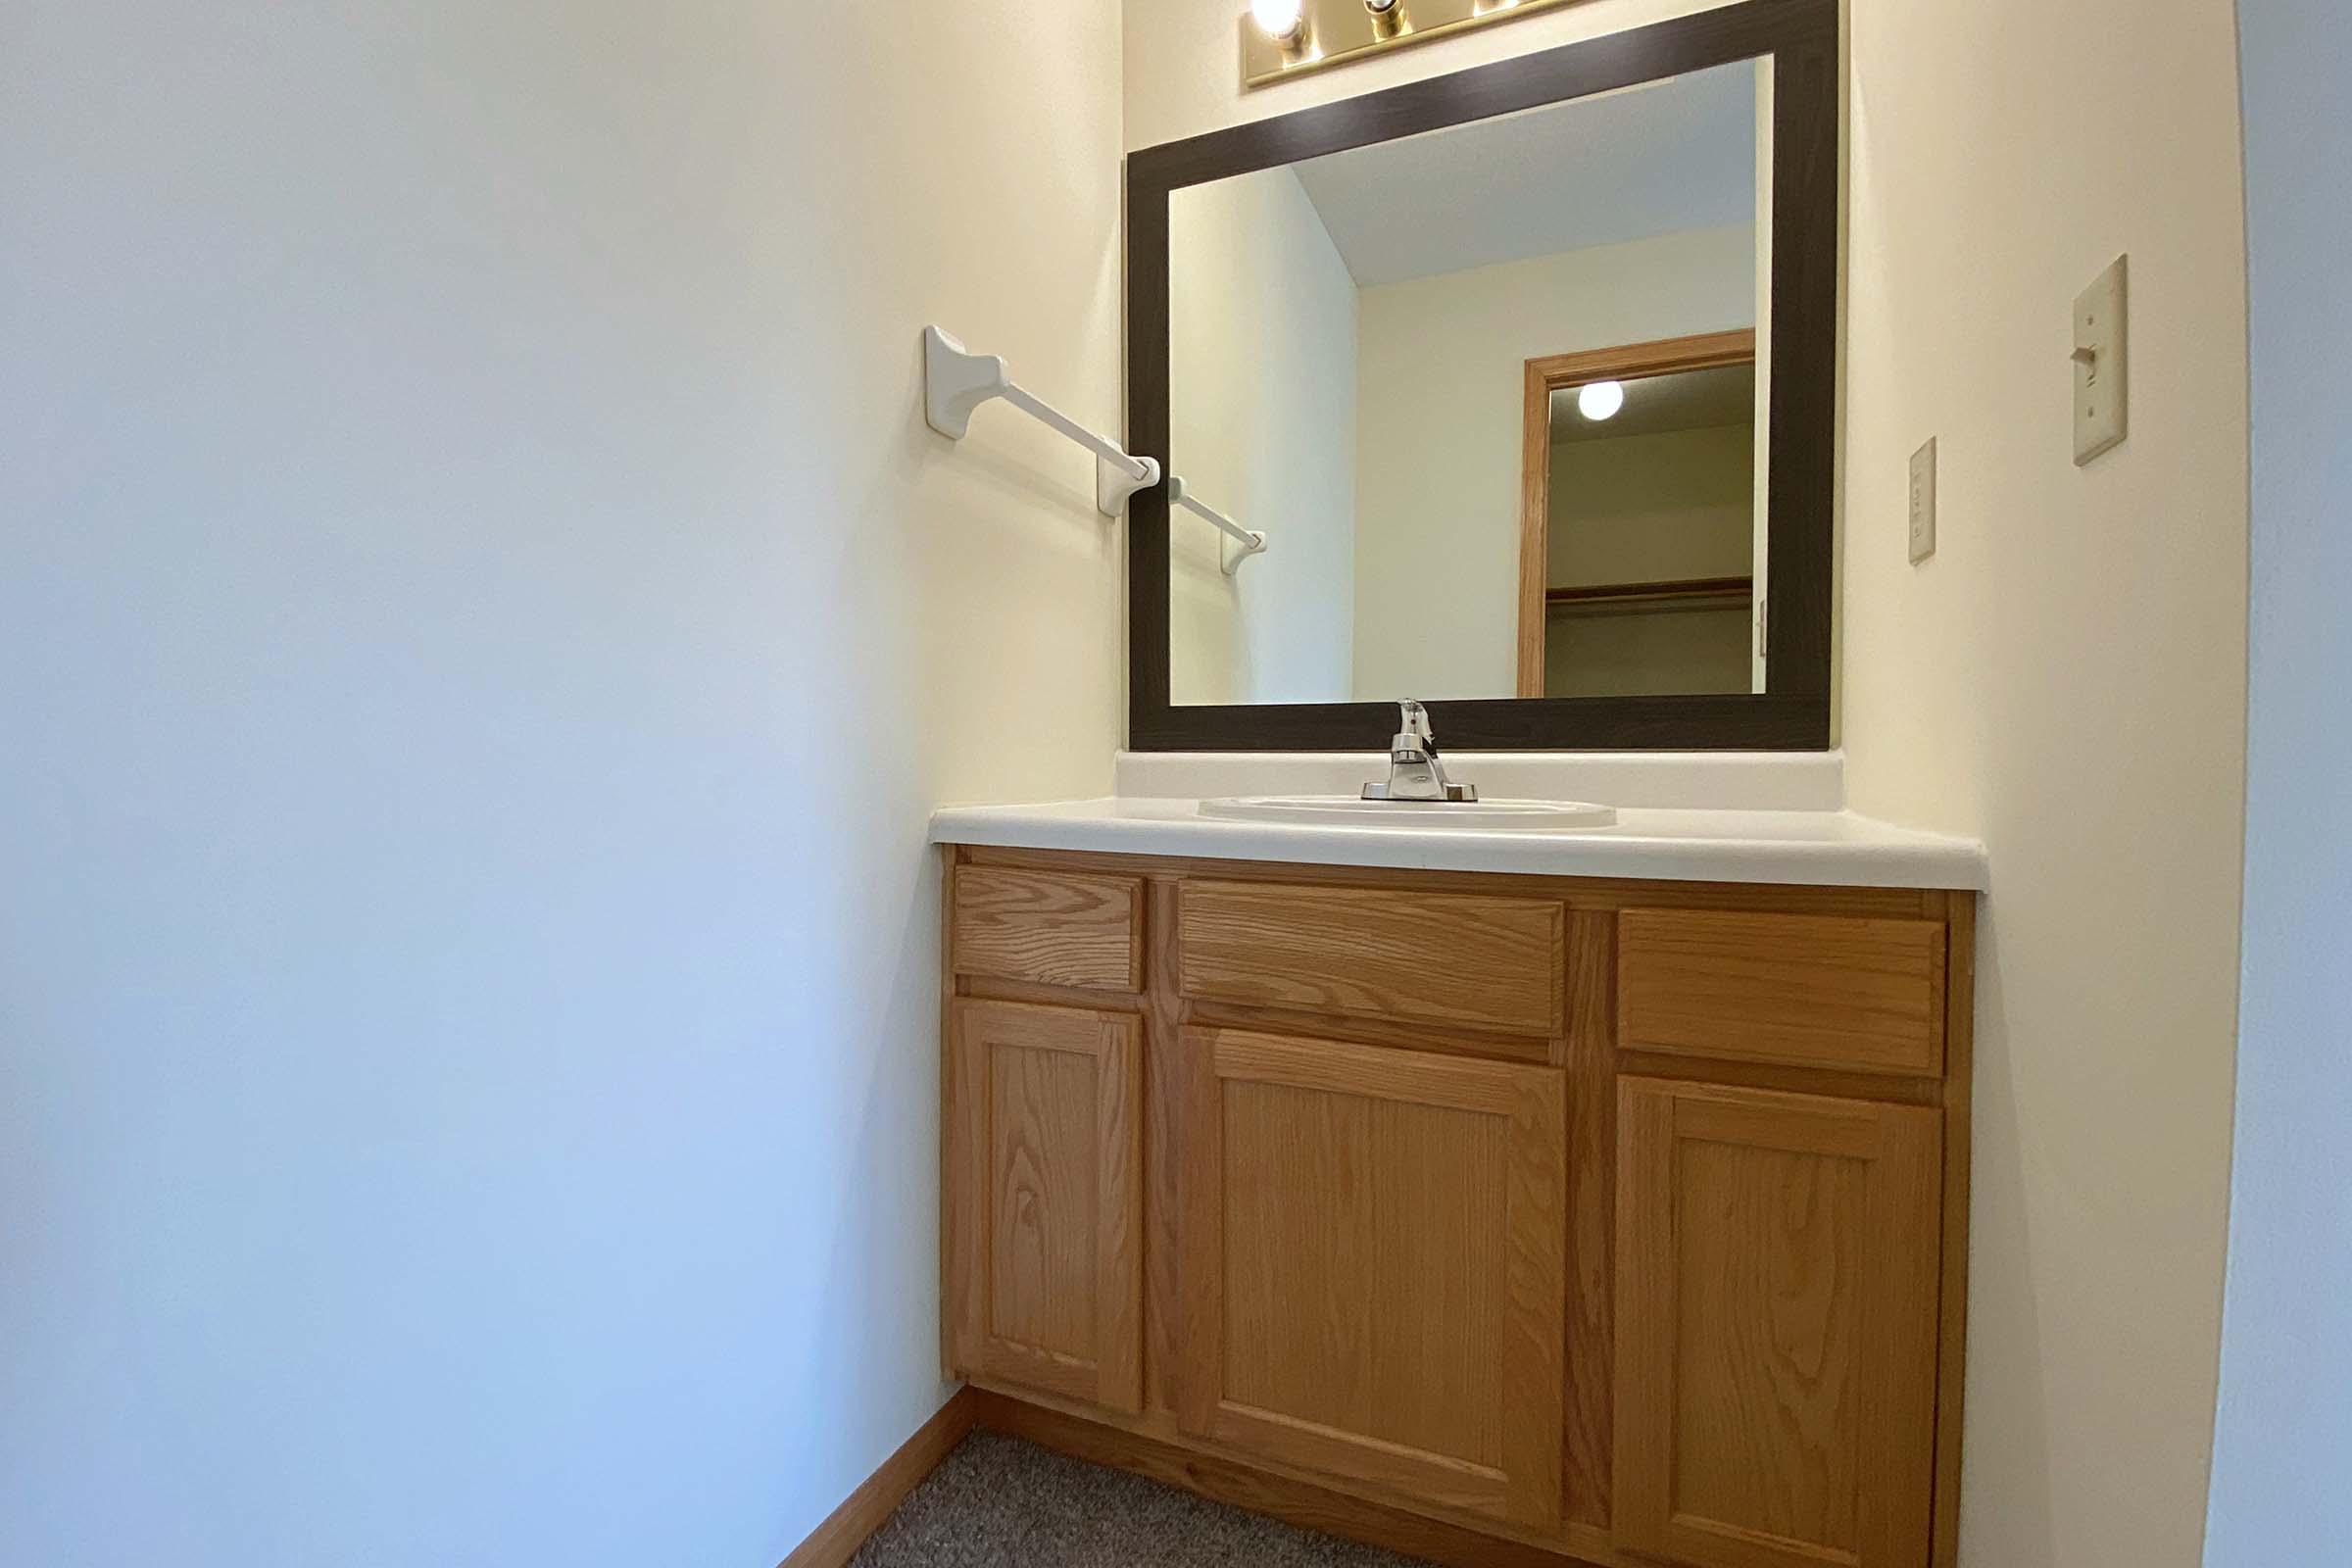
(998, 1502)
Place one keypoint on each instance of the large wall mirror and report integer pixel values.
(1526, 375)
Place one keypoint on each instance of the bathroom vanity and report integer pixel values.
(1552, 1216)
(1499, 1195)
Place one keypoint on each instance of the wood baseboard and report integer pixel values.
(1296, 1502)
(834, 1542)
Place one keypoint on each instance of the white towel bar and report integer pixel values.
(956, 383)
(1250, 540)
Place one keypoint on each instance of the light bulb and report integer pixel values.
(1280, 20)
(1601, 400)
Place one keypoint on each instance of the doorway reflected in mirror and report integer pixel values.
(1640, 555)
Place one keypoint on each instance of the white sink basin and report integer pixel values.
(1346, 810)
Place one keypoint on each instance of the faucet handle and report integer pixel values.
(1413, 722)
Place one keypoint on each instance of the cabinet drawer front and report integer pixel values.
(1777, 1275)
(1796, 990)
(1066, 928)
(1430, 958)
(1043, 1122)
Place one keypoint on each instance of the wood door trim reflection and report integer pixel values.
(1703, 351)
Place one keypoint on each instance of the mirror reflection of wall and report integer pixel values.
(1350, 350)
(1262, 388)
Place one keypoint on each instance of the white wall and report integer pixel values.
(482, 627)
(2065, 678)
(1441, 375)
(1262, 384)
(2284, 1436)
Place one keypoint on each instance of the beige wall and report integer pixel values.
(2066, 677)
(1261, 390)
(1441, 369)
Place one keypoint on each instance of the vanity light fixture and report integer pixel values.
(1283, 21)
(1601, 400)
(1284, 38)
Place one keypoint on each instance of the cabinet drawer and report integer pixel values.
(1066, 928)
(1796, 990)
(1431, 957)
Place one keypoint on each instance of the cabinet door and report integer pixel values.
(1045, 1198)
(1775, 1327)
(1373, 1266)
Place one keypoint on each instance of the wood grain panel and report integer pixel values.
(1951, 1381)
(1777, 1260)
(1066, 928)
(1163, 1156)
(1376, 1279)
(1592, 1150)
(1453, 1039)
(1802, 991)
(1331, 1199)
(1434, 958)
(1769, 1320)
(1045, 1219)
(1045, 1175)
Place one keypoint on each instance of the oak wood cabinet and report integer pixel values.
(1044, 1155)
(1583, 1221)
(1375, 1249)
(1776, 1306)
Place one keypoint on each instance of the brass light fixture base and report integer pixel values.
(1336, 32)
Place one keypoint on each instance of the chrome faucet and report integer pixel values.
(1414, 771)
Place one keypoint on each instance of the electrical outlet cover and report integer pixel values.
(1923, 501)
(2102, 406)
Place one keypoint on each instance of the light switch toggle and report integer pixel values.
(2101, 406)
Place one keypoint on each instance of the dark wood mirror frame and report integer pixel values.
(1794, 713)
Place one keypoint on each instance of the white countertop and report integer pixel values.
(1824, 847)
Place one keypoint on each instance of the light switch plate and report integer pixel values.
(1923, 501)
(2102, 406)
